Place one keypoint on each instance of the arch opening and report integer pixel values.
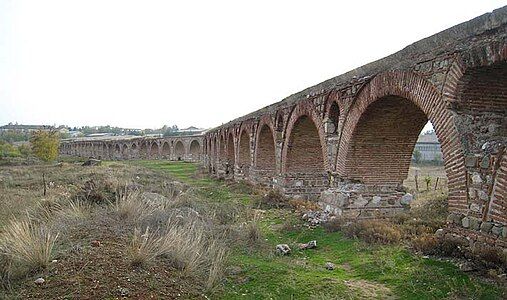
(195, 149)
(334, 118)
(304, 149)
(166, 150)
(244, 159)
(179, 150)
(380, 150)
(265, 151)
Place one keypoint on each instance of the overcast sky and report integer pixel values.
(143, 64)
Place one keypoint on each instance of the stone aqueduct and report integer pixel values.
(187, 148)
(348, 141)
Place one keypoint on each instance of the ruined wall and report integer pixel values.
(186, 148)
(347, 142)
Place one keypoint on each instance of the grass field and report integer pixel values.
(252, 269)
(363, 271)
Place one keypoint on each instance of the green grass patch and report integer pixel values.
(362, 271)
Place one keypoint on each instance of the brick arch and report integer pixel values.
(194, 148)
(165, 149)
(334, 112)
(154, 149)
(230, 148)
(477, 91)
(400, 91)
(304, 125)
(244, 149)
(265, 139)
(179, 149)
(143, 149)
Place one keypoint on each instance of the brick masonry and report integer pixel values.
(347, 142)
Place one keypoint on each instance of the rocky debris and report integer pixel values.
(406, 199)
(39, 281)
(309, 245)
(92, 162)
(330, 266)
(123, 292)
(467, 266)
(315, 218)
(283, 249)
(95, 243)
(439, 232)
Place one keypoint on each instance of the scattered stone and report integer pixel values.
(39, 281)
(467, 266)
(95, 243)
(283, 249)
(476, 178)
(439, 232)
(309, 245)
(465, 222)
(475, 224)
(406, 199)
(92, 162)
(124, 292)
(54, 261)
(502, 276)
(486, 227)
(330, 266)
(496, 230)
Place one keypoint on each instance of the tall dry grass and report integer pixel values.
(144, 247)
(28, 242)
(130, 206)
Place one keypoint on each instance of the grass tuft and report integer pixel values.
(28, 242)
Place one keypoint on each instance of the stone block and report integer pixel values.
(476, 178)
(486, 227)
(485, 162)
(496, 230)
(475, 224)
(471, 161)
(465, 222)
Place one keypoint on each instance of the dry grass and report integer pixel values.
(28, 242)
(144, 247)
(130, 206)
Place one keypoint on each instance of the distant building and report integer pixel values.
(429, 147)
(24, 128)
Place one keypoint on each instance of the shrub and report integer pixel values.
(272, 199)
(373, 231)
(426, 243)
(28, 242)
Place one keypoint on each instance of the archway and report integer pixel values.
(134, 153)
(179, 150)
(166, 150)
(230, 150)
(143, 150)
(383, 141)
(244, 155)
(334, 118)
(195, 149)
(304, 149)
(265, 159)
(125, 151)
(154, 151)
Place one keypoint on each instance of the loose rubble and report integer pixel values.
(283, 249)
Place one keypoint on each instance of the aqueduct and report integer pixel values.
(348, 141)
(186, 148)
